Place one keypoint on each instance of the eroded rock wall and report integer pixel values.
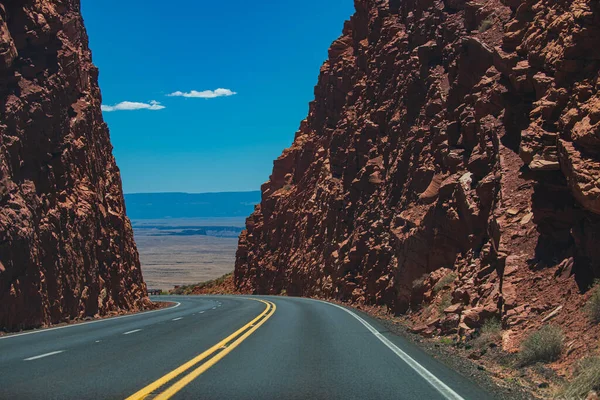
(66, 246)
(447, 138)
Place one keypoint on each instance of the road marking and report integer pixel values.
(177, 319)
(142, 393)
(98, 341)
(201, 312)
(214, 308)
(440, 386)
(180, 384)
(44, 355)
(133, 331)
(89, 322)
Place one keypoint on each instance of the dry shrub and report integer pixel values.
(545, 345)
(585, 379)
(445, 302)
(485, 25)
(444, 282)
(593, 305)
(418, 283)
(491, 332)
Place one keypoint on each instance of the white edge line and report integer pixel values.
(89, 322)
(133, 331)
(440, 386)
(177, 319)
(44, 355)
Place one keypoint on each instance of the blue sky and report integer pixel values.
(267, 52)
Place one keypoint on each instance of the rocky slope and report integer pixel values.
(449, 168)
(66, 246)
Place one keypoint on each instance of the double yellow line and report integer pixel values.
(221, 349)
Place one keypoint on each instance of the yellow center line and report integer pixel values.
(142, 393)
(177, 386)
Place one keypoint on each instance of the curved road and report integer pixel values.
(226, 347)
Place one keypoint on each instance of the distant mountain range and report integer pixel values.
(191, 205)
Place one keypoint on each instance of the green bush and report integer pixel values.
(446, 341)
(444, 282)
(585, 379)
(544, 345)
(490, 332)
(593, 305)
(485, 25)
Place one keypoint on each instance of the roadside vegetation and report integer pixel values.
(545, 345)
(490, 333)
(585, 379)
(593, 305)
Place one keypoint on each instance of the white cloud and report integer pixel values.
(131, 106)
(205, 94)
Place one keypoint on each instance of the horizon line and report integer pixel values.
(177, 192)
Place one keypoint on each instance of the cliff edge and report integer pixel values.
(66, 246)
(449, 169)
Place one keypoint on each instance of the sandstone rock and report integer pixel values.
(583, 174)
(454, 309)
(475, 317)
(451, 115)
(592, 396)
(432, 191)
(66, 246)
(544, 165)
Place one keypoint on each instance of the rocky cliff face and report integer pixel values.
(453, 143)
(66, 246)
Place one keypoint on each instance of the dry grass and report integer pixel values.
(445, 282)
(491, 332)
(593, 305)
(485, 25)
(445, 302)
(586, 379)
(545, 345)
(418, 283)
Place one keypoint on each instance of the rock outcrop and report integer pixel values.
(451, 157)
(66, 246)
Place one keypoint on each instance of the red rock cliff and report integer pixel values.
(66, 246)
(447, 138)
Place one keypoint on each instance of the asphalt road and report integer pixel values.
(226, 347)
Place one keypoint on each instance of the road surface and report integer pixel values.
(226, 347)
